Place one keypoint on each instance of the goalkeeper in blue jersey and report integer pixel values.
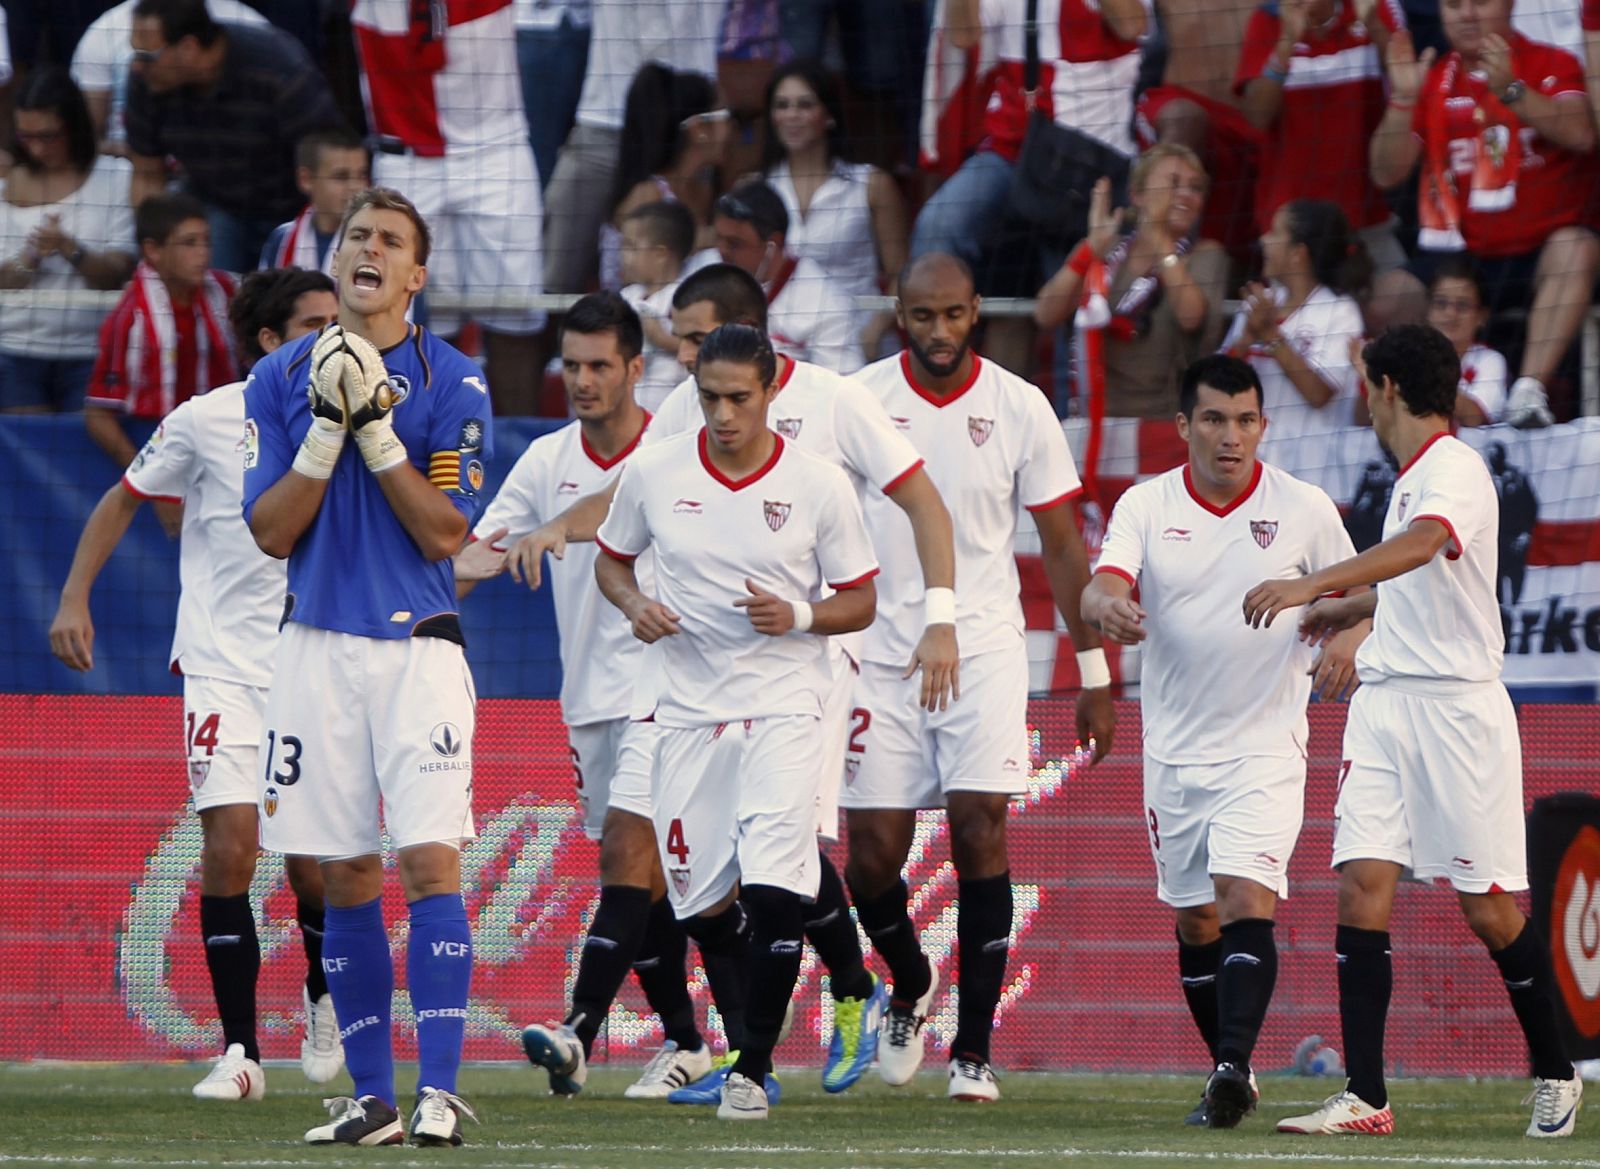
(364, 448)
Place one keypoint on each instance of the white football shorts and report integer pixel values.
(1234, 819)
(835, 732)
(1433, 782)
(901, 756)
(612, 761)
(736, 802)
(484, 209)
(353, 722)
(222, 726)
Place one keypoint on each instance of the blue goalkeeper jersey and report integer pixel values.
(356, 569)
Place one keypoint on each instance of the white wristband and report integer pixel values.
(802, 617)
(1092, 668)
(319, 451)
(939, 607)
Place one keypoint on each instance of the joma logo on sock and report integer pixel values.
(443, 1013)
(451, 949)
(369, 1021)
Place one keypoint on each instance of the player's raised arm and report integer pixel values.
(577, 525)
(1397, 555)
(284, 486)
(72, 631)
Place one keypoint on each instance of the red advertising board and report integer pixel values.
(99, 953)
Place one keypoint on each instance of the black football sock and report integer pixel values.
(1197, 971)
(832, 933)
(983, 939)
(776, 933)
(233, 955)
(724, 942)
(1244, 987)
(1530, 982)
(888, 924)
(1366, 980)
(312, 919)
(609, 949)
(659, 967)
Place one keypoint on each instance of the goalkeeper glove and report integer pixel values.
(369, 397)
(320, 449)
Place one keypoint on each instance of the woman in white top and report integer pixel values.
(1297, 329)
(847, 217)
(1457, 309)
(65, 225)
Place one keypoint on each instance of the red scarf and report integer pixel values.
(152, 361)
(1497, 156)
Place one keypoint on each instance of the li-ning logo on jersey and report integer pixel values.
(788, 427)
(979, 429)
(1179, 534)
(446, 740)
(1264, 531)
(899, 422)
(687, 506)
(399, 389)
(1405, 499)
(567, 487)
(777, 513)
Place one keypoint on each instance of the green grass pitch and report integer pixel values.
(72, 1115)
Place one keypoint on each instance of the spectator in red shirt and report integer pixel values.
(1311, 79)
(1589, 15)
(1502, 129)
(1088, 63)
(167, 339)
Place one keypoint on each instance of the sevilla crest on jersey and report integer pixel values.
(1264, 531)
(777, 513)
(979, 429)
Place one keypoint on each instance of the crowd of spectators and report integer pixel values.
(1318, 169)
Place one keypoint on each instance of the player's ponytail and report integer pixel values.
(744, 345)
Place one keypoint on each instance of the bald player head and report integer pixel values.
(938, 309)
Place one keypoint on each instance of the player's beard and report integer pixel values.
(944, 368)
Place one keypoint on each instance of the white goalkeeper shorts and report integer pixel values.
(1433, 782)
(484, 209)
(900, 756)
(222, 727)
(612, 762)
(737, 802)
(1235, 819)
(359, 724)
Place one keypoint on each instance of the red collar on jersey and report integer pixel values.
(927, 395)
(607, 464)
(1422, 450)
(781, 277)
(1234, 503)
(788, 372)
(738, 484)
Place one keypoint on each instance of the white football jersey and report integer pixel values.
(992, 447)
(1484, 379)
(1441, 622)
(793, 526)
(1213, 689)
(810, 318)
(600, 657)
(232, 592)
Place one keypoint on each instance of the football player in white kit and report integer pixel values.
(364, 454)
(601, 355)
(1224, 714)
(760, 549)
(993, 445)
(1431, 779)
(226, 637)
(836, 418)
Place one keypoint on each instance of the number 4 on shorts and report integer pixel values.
(676, 845)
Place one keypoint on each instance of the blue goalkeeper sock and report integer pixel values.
(355, 956)
(439, 970)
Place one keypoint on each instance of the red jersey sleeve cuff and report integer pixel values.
(840, 586)
(625, 557)
(888, 488)
(1449, 527)
(1113, 570)
(128, 486)
(1056, 502)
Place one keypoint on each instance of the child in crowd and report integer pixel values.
(167, 339)
(656, 240)
(331, 167)
(1456, 308)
